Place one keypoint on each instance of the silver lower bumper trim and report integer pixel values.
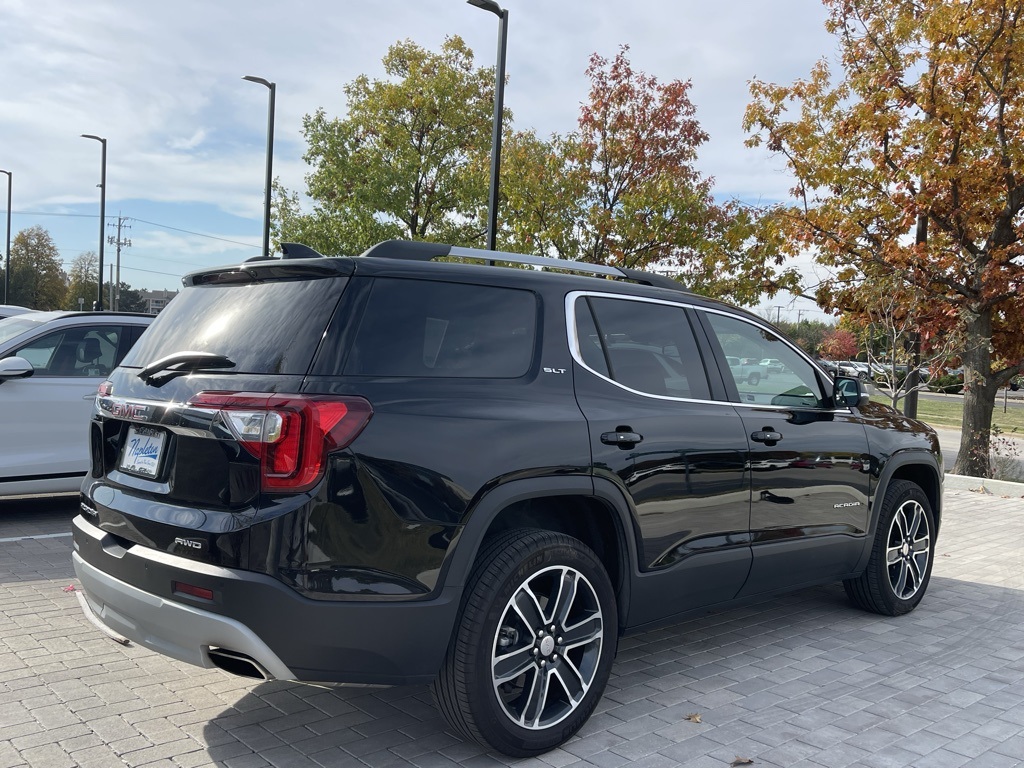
(177, 630)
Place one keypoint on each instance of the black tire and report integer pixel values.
(754, 379)
(900, 567)
(527, 564)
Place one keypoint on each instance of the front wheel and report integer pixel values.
(534, 646)
(901, 558)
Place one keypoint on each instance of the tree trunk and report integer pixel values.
(979, 398)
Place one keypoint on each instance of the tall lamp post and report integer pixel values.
(499, 107)
(7, 262)
(270, 161)
(98, 305)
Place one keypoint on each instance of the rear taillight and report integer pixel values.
(291, 435)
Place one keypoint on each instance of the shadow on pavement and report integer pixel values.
(759, 675)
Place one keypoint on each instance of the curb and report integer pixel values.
(983, 485)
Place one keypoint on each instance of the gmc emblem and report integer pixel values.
(132, 411)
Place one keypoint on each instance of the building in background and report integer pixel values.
(157, 300)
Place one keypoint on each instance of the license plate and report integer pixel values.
(142, 451)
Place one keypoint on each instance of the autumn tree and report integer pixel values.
(37, 278)
(807, 334)
(402, 162)
(838, 344)
(910, 165)
(623, 190)
(82, 281)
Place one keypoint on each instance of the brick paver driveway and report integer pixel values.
(803, 680)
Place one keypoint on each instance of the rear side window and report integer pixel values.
(424, 328)
(271, 327)
(645, 346)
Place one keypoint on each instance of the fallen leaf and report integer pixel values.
(946, 554)
(741, 761)
(69, 588)
(693, 717)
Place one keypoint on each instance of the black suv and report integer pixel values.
(388, 469)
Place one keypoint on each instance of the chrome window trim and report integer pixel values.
(577, 356)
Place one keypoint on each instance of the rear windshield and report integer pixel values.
(271, 327)
(433, 329)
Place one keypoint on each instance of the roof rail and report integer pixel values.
(418, 250)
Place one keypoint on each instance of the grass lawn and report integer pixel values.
(949, 413)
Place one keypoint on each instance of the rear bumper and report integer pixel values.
(288, 636)
(173, 629)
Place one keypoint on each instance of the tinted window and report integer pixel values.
(795, 385)
(647, 347)
(270, 327)
(425, 328)
(74, 352)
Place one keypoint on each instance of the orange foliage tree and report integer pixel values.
(623, 189)
(910, 166)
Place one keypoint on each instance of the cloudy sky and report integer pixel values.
(187, 136)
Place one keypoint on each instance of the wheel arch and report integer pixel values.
(920, 468)
(591, 510)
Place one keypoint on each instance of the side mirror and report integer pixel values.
(15, 368)
(849, 392)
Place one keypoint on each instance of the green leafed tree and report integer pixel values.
(37, 278)
(130, 299)
(404, 160)
(910, 166)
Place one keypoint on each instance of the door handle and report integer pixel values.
(768, 436)
(622, 438)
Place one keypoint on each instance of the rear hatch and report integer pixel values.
(204, 429)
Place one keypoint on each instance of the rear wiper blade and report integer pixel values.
(183, 362)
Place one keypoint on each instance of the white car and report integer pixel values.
(10, 310)
(50, 366)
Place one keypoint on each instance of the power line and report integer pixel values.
(198, 234)
(141, 221)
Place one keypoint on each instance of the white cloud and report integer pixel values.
(162, 82)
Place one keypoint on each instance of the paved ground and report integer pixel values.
(801, 681)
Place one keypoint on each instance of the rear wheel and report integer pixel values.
(754, 379)
(900, 567)
(534, 646)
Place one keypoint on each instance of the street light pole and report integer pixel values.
(98, 306)
(499, 108)
(270, 161)
(7, 263)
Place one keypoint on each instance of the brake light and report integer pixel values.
(291, 435)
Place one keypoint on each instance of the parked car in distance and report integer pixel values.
(389, 470)
(10, 310)
(829, 365)
(771, 365)
(745, 370)
(50, 366)
(855, 369)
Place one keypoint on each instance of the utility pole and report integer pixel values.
(115, 291)
(800, 314)
(778, 313)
